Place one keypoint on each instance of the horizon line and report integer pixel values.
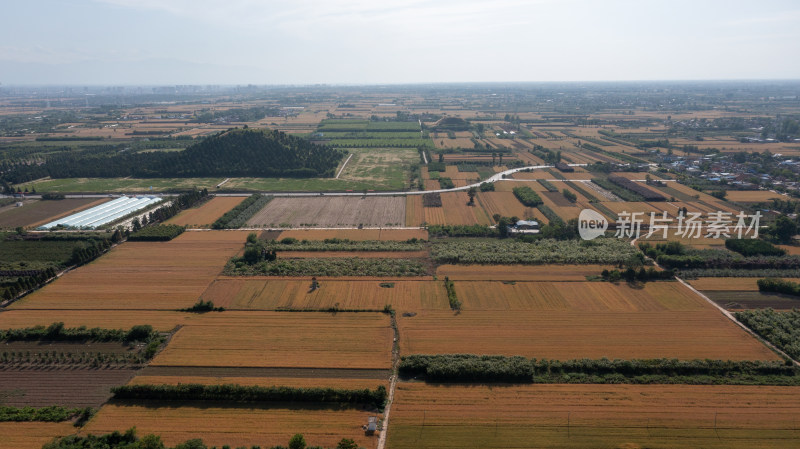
(416, 83)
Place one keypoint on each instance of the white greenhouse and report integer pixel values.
(104, 213)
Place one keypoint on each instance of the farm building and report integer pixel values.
(524, 227)
(372, 425)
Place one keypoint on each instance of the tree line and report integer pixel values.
(57, 332)
(244, 153)
(245, 210)
(129, 440)
(516, 369)
(251, 393)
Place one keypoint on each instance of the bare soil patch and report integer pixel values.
(337, 211)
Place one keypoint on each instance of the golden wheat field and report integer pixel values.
(207, 213)
(455, 211)
(415, 214)
(32, 435)
(577, 296)
(271, 294)
(752, 196)
(607, 416)
(573, 334)
(142, 275)
(282, 339)
(235, 424)
(505, 204)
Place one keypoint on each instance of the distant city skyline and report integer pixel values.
(152, 42)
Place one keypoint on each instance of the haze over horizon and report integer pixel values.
(152, 42)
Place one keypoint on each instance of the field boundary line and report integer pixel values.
(344, 165)
(730, 316)
(392, 382)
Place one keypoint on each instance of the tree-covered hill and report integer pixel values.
(239, 152)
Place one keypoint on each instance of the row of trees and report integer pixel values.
(452, 297)
(778, 286)
(543, 251)
(253, 393)
(239, 215)
(753, 247)
(129, 440)
(462, 231)
(631, 275)
(54, 413)
(57, 332)
(27, 282)
(159, 233)
(335, 244)
(527, 196)
(350, 266)
(477, 368)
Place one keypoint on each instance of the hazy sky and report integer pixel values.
(398, 41)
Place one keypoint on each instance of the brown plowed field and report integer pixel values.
(142, 275)
(236, 424)
(356, 234)
(352, 294)
(32, 435)
(332, 211)
(519, 272)
(746, 300)
(730, 284)
(282, 339)
(208, 213)
(38, 213)
(70, 387)
(593, 416)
